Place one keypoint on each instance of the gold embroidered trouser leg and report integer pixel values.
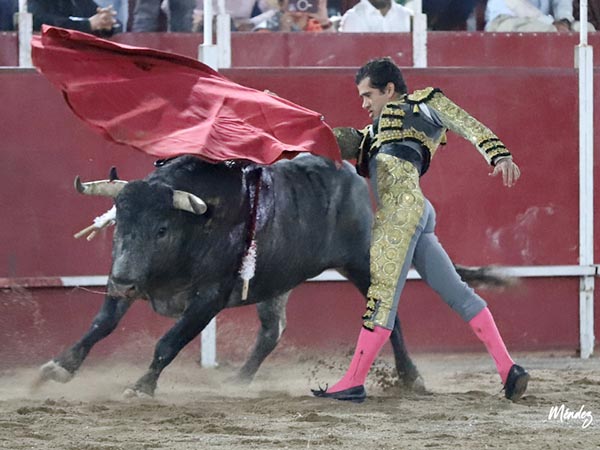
(401, 207)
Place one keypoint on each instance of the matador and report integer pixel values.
(394, 152)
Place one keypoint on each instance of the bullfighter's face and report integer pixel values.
(373, 99)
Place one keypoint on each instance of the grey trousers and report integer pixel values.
(146, 15)
(413, 240)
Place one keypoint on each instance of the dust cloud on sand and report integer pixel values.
(198, 409)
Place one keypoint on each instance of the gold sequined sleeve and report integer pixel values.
(462, 123)
(349, 140)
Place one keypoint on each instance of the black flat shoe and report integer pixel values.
(356, 394)
(516, 383)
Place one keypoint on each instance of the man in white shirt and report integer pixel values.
(530, 15)
(376, 16)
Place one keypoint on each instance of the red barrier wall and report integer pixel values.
(456, 49)
(535, 223)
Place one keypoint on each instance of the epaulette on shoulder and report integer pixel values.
(422, 95)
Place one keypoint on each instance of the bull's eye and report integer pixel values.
(162, 231)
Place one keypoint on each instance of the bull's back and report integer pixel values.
(321, 219)
(316, 188)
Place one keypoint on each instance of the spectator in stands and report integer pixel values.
(121, 7)
(287, 19)
(530, 16)
(593, 12)
(446, 15)
(81, 15)
(334, 8)
(241, 12)
(8, 8)
(373, 16)
(146, 15)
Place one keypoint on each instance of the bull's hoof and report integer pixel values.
(130, 393)
(416, 385)
(52, 371)
(239, 379)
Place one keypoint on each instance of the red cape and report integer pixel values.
(167, 105)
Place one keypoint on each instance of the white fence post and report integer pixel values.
(224, 36)
(584, 61)
(208, 53)
(216, 55)
(419, 35)
(208, 342)
(25, 32)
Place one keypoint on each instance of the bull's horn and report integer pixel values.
(188, 202)
(104, 188)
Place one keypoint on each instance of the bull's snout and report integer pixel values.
(121, 288)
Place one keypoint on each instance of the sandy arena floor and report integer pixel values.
(196, 409)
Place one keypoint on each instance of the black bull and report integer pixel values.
(308, 216)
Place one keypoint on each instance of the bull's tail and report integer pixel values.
(486, 277)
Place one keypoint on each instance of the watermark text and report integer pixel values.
(565, 414)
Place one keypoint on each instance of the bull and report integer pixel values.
(181, 236)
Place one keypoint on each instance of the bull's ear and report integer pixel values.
(189, 202)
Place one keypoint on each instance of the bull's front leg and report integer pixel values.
(407, 371)
(192, 322)
(63, 367)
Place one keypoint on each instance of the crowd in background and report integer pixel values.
(106, 17)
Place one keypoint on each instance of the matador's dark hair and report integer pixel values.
(382, 71)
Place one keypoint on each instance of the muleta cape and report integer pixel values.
(167, 105)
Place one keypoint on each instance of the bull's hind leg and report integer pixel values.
(407, 371)
(63, 367)
(273, 321)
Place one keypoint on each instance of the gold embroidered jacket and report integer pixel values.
(422, 117)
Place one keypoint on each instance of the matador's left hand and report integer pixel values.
(509, 169)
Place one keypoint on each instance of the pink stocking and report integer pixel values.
(485, 328)
(367, 348)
